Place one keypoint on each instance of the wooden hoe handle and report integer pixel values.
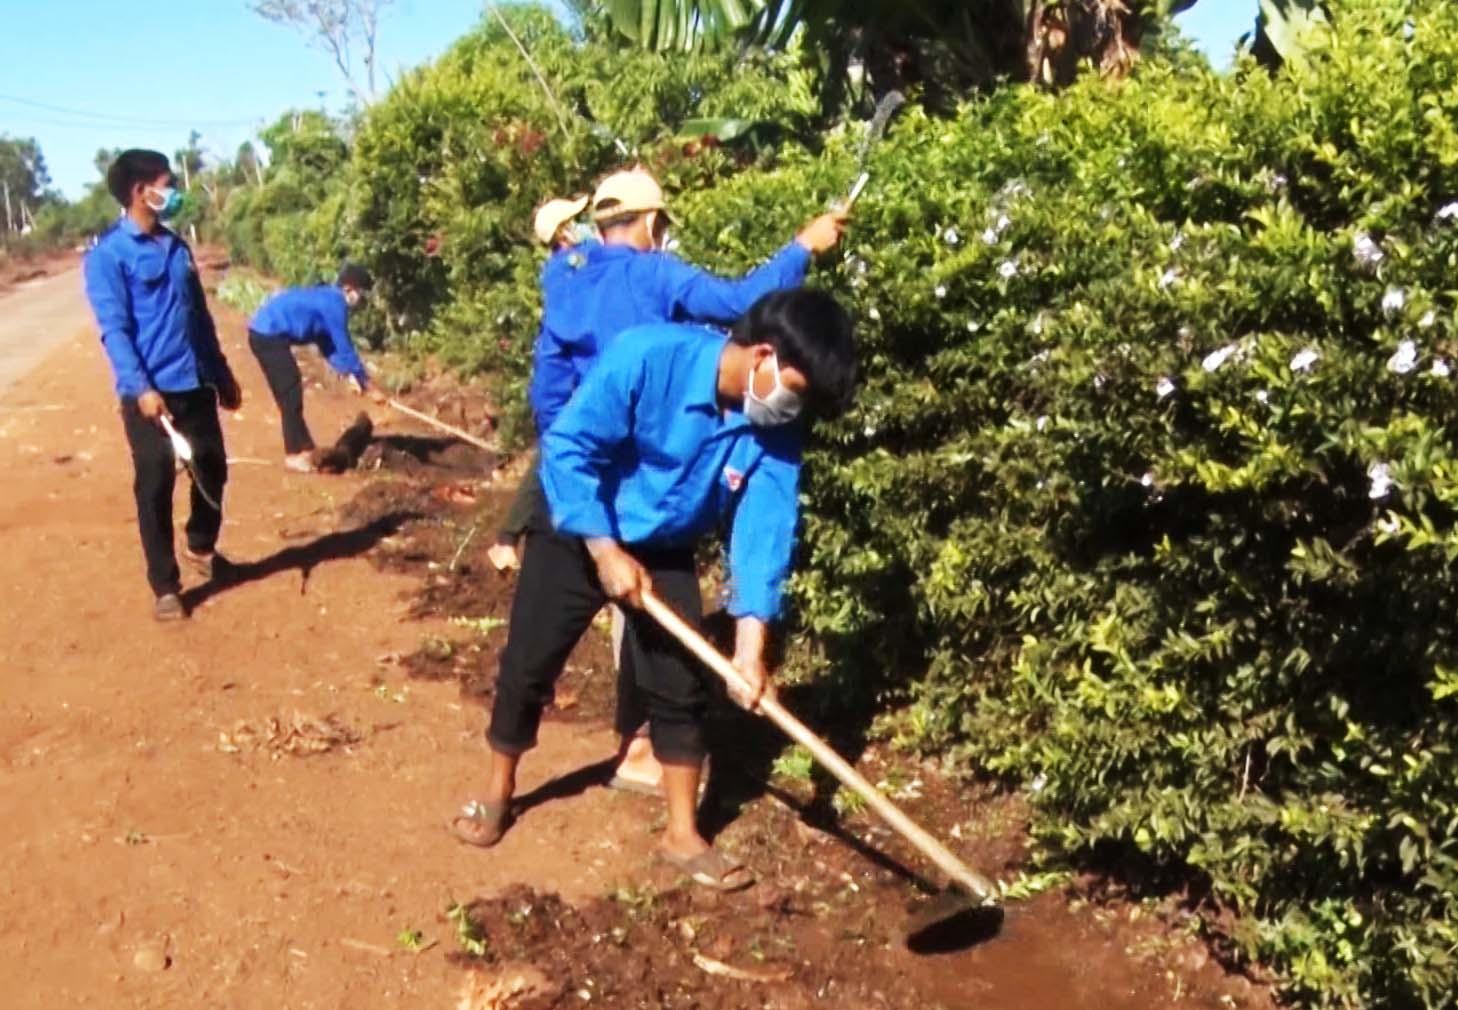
(435, 422)
(960, 873)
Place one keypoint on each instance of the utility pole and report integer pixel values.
(187, 185)
(9, 220)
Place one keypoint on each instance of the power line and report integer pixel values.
(106, 119)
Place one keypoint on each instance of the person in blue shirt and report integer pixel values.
(319, 316)
(556, 227)
(678, 431)
(143, 286)
(596, 291)
(630, 279)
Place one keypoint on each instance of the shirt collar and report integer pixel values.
(134, 230)
(601, 251)
(704, 376)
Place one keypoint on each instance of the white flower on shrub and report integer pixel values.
(1263, 396)
(1388, 524)
(1404, 359)
(1275, 182)
(1040, 357)
(1164, 387)
(1168, 279)
(1007, 269)
(1039, 783)
(973, 326)
(1441, 368)
(1178, 242)
(1448, 212)
(951, 236)
(991, 237)
(1429, 318)
(1036, 326)
(1366, 250)
(870, 431)
(874, 313)
(1148, 479)
(1215, 359)
(1042, 423)
(1098, 381)
(941, 291)
(1393, 300)
(1015, 189)
(1305, 359)
(1381, 477)
(1003, 223)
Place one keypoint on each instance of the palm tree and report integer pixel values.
(898, 42)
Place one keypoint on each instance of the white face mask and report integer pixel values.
(781, 406)
(165, 201)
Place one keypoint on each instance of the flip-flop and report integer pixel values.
(480, 823)
(711, 868)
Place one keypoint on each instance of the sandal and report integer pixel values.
(480, 823)
(712, 869)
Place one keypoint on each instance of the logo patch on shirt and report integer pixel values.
(733, 478)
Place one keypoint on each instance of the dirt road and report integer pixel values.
(36, 317)
(171, 840)
(131, 839)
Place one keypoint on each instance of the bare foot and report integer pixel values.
(638, 765)
(503, 557)
(300, 462)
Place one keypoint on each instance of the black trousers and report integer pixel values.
(276, 358)
(528, 507)
(557, 596)
(195, 415)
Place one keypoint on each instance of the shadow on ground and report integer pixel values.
(303, 558)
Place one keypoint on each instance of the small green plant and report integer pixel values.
(412, 940)
(243, 291)
(480, 625)
(847, 802)
(1029, 885)
(794, 763)
(637, 902)
(469, 936)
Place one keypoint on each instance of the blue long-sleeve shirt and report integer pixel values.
(153, 316)
(318, 316)
(592, 293)
(644, 454)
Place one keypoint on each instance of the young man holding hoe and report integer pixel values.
(595, 291)
(143, 286)
(676, 430)
(317, 315)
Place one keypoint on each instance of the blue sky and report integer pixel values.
(139, 75)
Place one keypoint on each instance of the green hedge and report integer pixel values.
(1148, 501)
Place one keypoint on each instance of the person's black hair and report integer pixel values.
(132, 167)
(352, 275)
(811, 332)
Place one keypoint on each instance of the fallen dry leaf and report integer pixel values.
(297, 734)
